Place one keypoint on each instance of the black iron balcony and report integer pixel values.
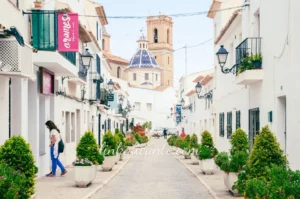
(103, 96)
(44, 33)
(249, 55)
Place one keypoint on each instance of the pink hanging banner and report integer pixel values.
(67, 32)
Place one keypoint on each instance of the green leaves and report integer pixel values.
(16, 153)
(207, 149)
(110, 144)
(88, 149)
(172, 140)
(194, 141)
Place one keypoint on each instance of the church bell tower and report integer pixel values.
(160, 36)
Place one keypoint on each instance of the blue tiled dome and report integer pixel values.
(143, 59)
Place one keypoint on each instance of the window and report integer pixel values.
(155, 39)
(137, 106)
(103, 44)
(168, 60)
(119, 72)
(109, 124)
(68, 130)
(238, 119)
(221, 118)
(134, 76)
(140, 45)
(156, 77)
(143, 45)
(149, 107)
(146, 76)
(229, 124)
(168, 36)
(72, 127)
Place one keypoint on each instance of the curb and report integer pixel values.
(199, 178)
(92, 193)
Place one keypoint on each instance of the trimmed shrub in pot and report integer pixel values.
(172, 141)
(207, 152)
(121, 147)
(12, 183)
(194, 146)
(16, 153)
(187, 147)
(109, 150)
(232, 164)
(266, 154)
(85, 167)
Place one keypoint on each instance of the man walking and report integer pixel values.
(165, 133)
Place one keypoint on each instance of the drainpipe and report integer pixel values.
(99, 129)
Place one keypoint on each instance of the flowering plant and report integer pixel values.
(82, 162)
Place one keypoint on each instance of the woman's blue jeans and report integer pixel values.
(56, 162)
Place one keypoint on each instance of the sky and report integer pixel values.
(189, 31)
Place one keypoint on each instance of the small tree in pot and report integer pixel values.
(187, 147)
(88, 157)
(109, 150)
(207, 152)
(234, 163)
(194, 146)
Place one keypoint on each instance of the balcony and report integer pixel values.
(44, 39)
(103, 96)
(15, 61)
(249, 62)
(81, 79)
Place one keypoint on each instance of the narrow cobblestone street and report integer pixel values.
(154, 176)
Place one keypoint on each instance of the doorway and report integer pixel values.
(254, 125)
(282, 122)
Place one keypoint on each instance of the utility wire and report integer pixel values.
(171, 15)
(145, 17)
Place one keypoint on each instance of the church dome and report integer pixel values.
(143, 58)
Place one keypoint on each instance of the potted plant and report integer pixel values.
(265, 154)
(109, 150)
(16, 154)
(118, 141)
(171, 141)
(256, 61)
(88, 157)
(186, 147)
(207, 152)
(130, 142)
(194, 146)
(38, 4)
(232, 164)
(121, 147)
(178, 143)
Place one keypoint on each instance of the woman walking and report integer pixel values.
(54, 153)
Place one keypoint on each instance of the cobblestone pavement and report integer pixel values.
(154, 177)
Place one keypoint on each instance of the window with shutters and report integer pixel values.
(146, 76)
(229, 124)
(221, 128)
(238, 119)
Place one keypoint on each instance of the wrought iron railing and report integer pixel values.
(249, 49)
(71, 56)
(103, 96)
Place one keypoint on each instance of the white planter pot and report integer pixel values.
(207, 166)
(173, 149)
(117, 158)
(229, 180)
(84, 175)
(195, 160)
(108, 163)
(121, 156)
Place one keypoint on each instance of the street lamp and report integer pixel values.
(110, 85)
(182, 102)
(222, 55)
(121, 100)
(198, 89)
(86, 58)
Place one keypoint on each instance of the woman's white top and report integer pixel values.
(55, 133)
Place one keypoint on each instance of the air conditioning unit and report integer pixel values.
(9, 55)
